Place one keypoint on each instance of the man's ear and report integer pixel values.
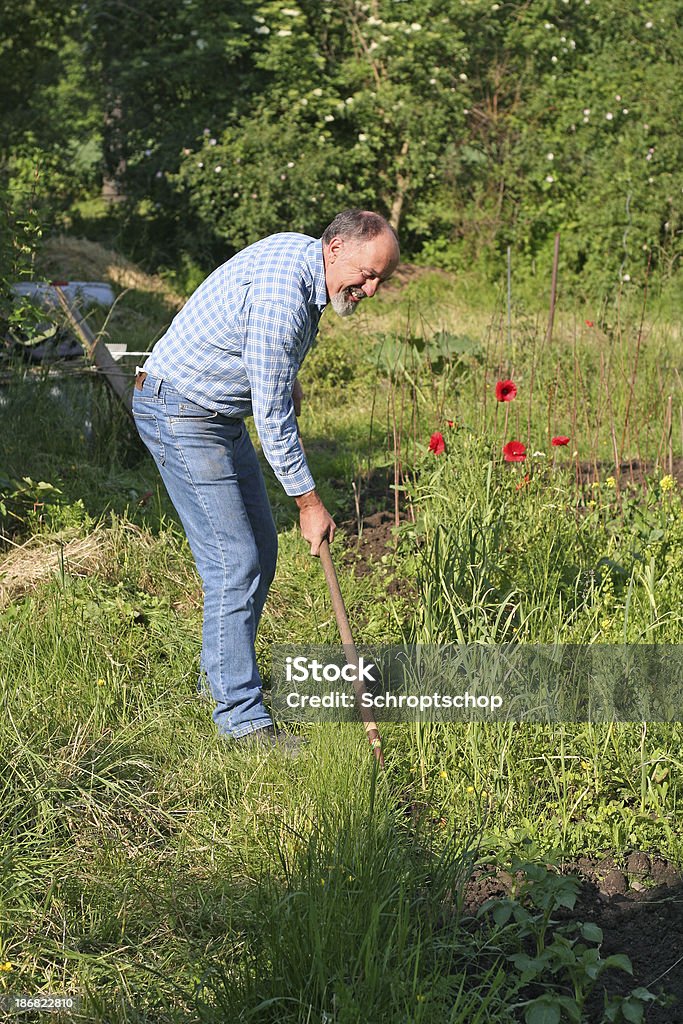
(335, 247)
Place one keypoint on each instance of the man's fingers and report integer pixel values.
(316, 525)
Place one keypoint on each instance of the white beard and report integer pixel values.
(342, 304)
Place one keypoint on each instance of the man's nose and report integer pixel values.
(370, 287)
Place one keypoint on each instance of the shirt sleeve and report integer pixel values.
(271, 356)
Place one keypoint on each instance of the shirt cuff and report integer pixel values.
(298, 483)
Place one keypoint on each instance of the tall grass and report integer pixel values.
(169, 877)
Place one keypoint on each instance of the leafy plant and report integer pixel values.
(556, 965)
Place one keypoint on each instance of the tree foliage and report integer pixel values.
(473, 125)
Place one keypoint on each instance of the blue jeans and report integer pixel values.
(210, 469)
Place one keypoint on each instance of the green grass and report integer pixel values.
(171, 878)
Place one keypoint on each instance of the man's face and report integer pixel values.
(355, 270)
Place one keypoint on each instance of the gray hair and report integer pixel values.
(358, 226)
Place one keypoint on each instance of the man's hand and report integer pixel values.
(315, 521)
(297, 396)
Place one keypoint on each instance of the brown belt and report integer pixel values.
(140, 379)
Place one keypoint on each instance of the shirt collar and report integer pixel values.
(317, 265)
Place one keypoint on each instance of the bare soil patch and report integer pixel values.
(631, 474)
(637, 901)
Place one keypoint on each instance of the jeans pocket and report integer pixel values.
(150, 432)
(186, 410)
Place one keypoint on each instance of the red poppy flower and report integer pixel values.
(450, 423)
(514, 451)
(589, 323)
(505, 390)
(437, 443)
(559, 441)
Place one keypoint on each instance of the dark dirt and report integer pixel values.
(634, 474)
(637, 901)
(377, 538)
(376, 534)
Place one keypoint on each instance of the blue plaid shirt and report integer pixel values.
(237, 344)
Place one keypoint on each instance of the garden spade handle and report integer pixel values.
(342, 618)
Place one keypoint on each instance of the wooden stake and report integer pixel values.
(553, 289)
(98, 353)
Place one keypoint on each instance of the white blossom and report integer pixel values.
(318, 91)
(625, 110)
(416, 26)
(329, 117)
(262, 30)
(462, 76)
(200, 163)
(648, 24)
(549, 178)
(290, 163)
(362, 137)
(550, 156)
(257, 18)
(285, 32)
(553, 59)
(586, 111)
(609, 116)
(290, 12)
(626, 277)
(218, 169)
(212, 142)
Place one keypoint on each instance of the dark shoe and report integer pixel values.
(273, 739)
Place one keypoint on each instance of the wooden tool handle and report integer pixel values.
(350, 651)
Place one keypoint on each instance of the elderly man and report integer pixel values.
(234, 350)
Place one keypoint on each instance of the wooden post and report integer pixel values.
(553, 289)
(97, 352)
(509, 298)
